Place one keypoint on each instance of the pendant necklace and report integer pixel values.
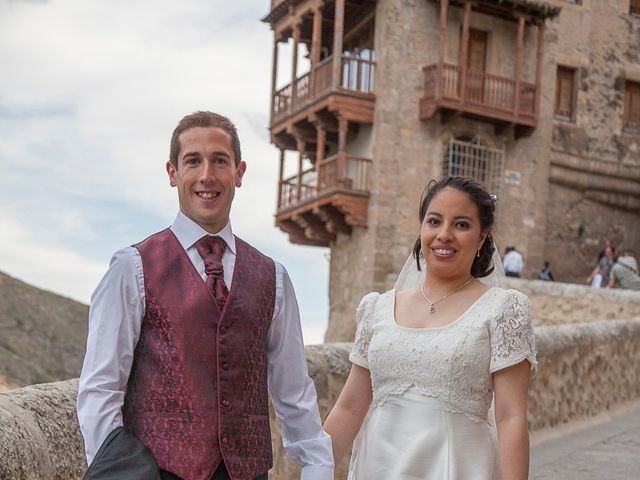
(432, 305)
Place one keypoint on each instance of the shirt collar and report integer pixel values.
(188, 232)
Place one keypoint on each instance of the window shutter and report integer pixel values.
(564, 92)
(632, 105)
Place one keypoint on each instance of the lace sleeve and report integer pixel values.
(512, 339)
(364, 331)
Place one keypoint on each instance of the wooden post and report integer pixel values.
(343, 128)
(518, 72)
(274, 73)
(320, 144)
(444, 4)
(539, 54)
(280, 173)
(316, 39)
(316, 46)
(338, 34)
(301, 146)
(464, 54)
(294, 63)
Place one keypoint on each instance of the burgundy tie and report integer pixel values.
(211, 250)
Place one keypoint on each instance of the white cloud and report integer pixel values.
(59, 270)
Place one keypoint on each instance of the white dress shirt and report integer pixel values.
(513, 262)
(115, 318)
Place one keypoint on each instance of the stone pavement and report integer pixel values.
(608, 451)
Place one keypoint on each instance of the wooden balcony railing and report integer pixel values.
(357, 75)
(484, 93)
(308, 185)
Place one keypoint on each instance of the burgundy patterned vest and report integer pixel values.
(197, 393)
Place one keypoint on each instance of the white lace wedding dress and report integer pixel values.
(432, 388)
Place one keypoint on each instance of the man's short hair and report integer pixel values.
(204, 119)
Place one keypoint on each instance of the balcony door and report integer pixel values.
(476, 65)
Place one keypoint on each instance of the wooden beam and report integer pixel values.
(333, 220)
(316, 39)
(518, 72)
(539, 55)
(343, 129)
(338, 32)
(313, 227)
(301, 148)
(280, 178)
(302, 133)
(328, 121)
(444, 4)
(297, 235)
(294, 62)
(320, 146)
(274, 73)
(464, 55)
(358, 26)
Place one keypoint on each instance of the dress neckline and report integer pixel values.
(443, 327)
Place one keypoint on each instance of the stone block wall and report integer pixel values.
(39, 433)
(585, 369)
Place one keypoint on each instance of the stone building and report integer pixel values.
(540, 101)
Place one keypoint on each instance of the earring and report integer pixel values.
(478, 254)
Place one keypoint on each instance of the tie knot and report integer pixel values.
(211, 246)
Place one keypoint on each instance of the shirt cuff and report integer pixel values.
(314, 472)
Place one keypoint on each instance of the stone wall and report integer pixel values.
(39, 433)
(557, 303)
(585, 369)
(594, 190)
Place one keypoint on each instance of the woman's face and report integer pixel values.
(451, 234)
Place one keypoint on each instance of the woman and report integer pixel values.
(427, 361)
(599, 277)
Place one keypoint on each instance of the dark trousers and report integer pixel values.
(220, 474)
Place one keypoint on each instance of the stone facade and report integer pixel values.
(572, 183)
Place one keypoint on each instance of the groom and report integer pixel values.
(190, 328)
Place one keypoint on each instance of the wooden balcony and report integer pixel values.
(320, 202)
(479, 94)
(316, 90)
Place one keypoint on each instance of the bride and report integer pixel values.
(428, 361)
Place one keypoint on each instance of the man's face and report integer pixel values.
(206, 176)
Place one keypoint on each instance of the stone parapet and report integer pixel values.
(585, 369)
(39, 433)
(575, 291)
(557, 303)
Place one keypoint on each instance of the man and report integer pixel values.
(189, 328)
(545, 273)
(513, 262)
(624, 272)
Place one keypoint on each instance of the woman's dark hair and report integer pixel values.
(482, 265)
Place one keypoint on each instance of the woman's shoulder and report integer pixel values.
(509, 297)
(373, 298)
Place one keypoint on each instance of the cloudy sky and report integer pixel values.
(90, 92)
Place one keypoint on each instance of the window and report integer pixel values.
(565, 93)
(469, 157)
(634, 6)
(632, 105)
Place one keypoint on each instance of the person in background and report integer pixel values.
(624, 273)
(545, 273)
(513, 262)
(599, 277)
